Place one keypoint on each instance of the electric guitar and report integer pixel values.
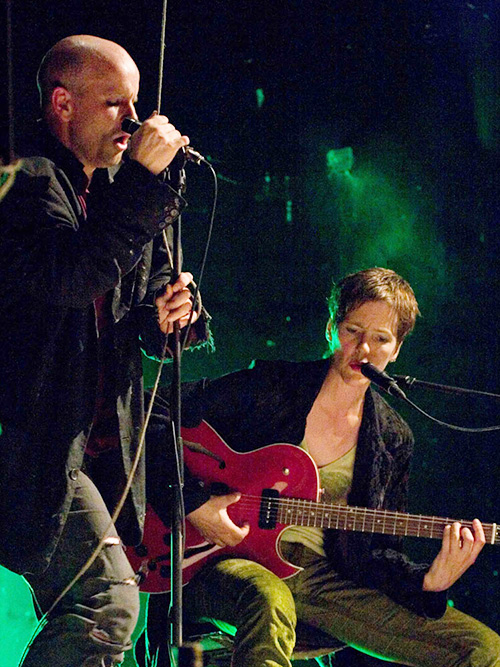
(280, 487)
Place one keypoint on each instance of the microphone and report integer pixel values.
(382, 379)
(130, 125)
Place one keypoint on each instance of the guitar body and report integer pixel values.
(279, 486)
(286, 469)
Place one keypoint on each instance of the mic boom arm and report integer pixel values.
(411, 382)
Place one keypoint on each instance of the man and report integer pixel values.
(85, 285)
(358, 587)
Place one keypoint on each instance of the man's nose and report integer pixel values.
(129, 111)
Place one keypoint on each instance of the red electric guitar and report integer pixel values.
(280, 487)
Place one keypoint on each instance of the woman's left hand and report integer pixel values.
(459, 550)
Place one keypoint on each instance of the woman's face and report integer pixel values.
(367, 334)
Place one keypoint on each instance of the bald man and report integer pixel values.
(84, 284)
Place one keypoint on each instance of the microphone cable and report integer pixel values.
(390, 385)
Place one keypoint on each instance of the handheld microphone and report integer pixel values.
(130, 125)
(382, 380)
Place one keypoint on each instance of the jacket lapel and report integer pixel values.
(373, 465)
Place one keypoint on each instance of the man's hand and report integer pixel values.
(175, 304)
(459, 550)
(214, 524)
(155, 143)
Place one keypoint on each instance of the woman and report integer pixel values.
(360, 588)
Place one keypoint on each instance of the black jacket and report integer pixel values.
(54, 262)
(270, 403)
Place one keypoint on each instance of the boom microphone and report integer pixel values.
(382, 380)
(130, 125)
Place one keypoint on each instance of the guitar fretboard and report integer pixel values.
(296, 512)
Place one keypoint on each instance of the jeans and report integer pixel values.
(265, 608)
(93, 623)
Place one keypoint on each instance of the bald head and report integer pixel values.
(77, 60)
(88, 86)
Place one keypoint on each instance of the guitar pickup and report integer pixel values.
(268, 513)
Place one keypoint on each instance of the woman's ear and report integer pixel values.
(329, 330)
(396, 352)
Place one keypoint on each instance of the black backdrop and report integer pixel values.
(266, 89)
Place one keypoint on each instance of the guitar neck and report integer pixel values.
(295, 512)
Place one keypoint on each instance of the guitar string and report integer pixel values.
(257, 501)
(412, 523)
(343, 519)
(415, 524)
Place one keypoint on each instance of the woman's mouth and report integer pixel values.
(355, 366)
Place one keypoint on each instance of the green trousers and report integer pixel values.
(265, 609)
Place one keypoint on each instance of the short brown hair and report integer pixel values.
(376, 284)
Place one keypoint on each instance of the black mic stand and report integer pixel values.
(410, 383)
(177, 178)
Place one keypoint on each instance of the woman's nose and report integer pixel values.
(363, 344)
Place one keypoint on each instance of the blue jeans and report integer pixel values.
(93, 623)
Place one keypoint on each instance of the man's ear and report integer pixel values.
(62, 104)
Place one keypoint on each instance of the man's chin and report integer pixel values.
(111, 160)
(117, 157)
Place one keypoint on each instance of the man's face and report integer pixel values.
(100, 102)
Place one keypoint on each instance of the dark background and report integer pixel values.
(268, 90)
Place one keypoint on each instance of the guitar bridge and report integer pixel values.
(268, 512)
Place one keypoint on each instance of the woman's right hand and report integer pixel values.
(214, 524)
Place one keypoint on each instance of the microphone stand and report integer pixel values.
(410, 383)
(177, 178)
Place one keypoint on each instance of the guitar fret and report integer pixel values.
(321, 517)
(300, 508)
(294, 511)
